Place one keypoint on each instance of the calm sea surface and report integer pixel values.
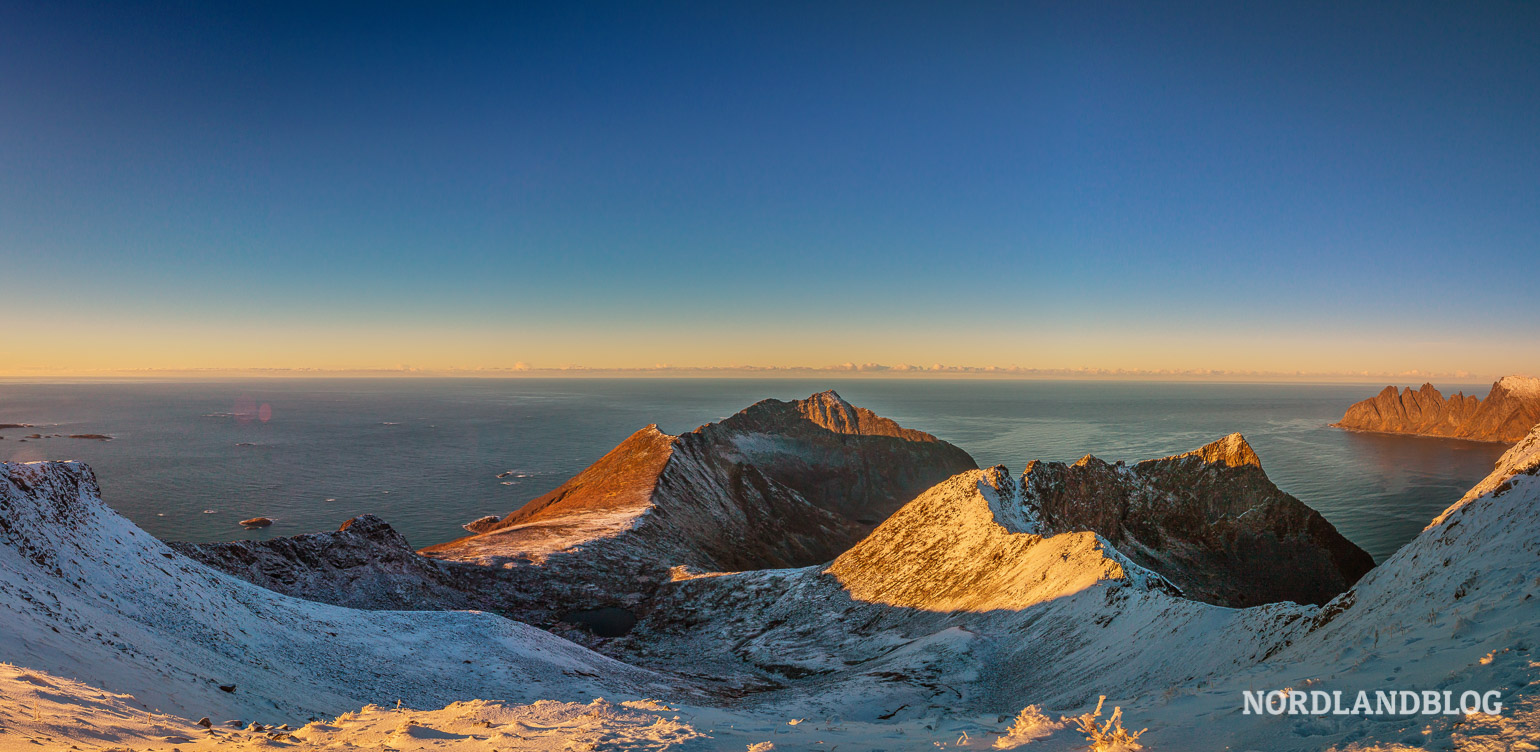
(425, 454)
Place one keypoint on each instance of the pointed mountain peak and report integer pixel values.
(831, 411)
(828, 395)
(1231, 451)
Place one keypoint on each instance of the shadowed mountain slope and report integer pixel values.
(1209, 520)
(779, 484)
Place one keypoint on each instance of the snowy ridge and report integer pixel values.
(85, 594)
(931, 555)
(1521, 458)
(1521, 386)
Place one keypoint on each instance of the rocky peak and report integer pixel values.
(1230, 451)
(42, 503)
(825, 410)
(623, 479)
(365, 524)
(1510, 409)
(778, 484)
(830, 411)
(1208, 520)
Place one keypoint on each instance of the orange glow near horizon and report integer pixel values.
(184, 348)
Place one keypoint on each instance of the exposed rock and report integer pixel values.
(257, 522)
(365, 564)
(1510, 410)
(779, 484)
(482, 524)
(1208, 520)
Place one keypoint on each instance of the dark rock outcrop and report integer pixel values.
(367, 564)
(364, 564)
(1209, 521)
(482, 524)
(1510, 410)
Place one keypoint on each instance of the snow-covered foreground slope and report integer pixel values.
(40, 711)
(85, 594)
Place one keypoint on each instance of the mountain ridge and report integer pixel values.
(1209, 520)
(777, 484)
(1506, 415)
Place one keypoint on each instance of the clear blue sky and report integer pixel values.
(1279, 187)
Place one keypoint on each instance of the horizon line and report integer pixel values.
(846, 370)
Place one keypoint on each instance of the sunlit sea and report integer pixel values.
(189, 460)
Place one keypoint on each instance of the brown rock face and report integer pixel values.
(1510, 410)
(1209, 521)
(780, 484)
(842, 458)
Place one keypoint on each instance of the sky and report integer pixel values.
(1283, 188)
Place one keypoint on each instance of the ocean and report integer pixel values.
(189, 460)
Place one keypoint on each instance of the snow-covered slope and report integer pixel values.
(85, 594)
(41, 711)
(985, 560)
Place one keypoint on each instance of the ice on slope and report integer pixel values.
(85, 594)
